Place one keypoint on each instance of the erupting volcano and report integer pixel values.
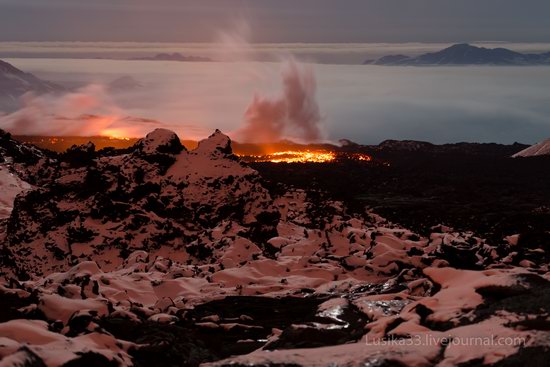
(274, 194)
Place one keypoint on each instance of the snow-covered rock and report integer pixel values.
(159, 198)
(12, 151)
(160, 141)
(10, 186)
(29, 342)
(542, 148)
(156, 253)
(14, 83)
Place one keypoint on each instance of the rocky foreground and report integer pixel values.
(156, 255)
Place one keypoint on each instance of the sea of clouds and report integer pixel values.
(367, 104)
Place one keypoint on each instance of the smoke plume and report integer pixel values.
(234, 44)
(87, 112)
(294, 114)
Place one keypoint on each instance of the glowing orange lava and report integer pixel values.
(361, 157)
(305, 156)
(294, 156)
(115, 134)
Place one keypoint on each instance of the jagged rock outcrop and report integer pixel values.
(155, 198)
(12, 151)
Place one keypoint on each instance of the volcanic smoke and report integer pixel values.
(295, 113)
(89, 111)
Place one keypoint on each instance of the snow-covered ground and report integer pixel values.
(10, 187)
(185, 243)
(542, 148)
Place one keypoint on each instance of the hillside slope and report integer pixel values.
(156, 255)
(542, 148)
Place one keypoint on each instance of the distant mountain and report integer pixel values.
(389, 60)
(176, 56)
(465, 54)
(542, 148)
(405, 145)
(123, 84)
(481, 149)
(14, 83)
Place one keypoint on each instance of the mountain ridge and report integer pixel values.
(14, 83)
(175, 56)
(465, 54)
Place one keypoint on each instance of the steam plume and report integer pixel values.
(234, 44)
(295, 113)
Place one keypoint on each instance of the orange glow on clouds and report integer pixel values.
(119, 134)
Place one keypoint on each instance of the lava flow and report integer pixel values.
(306, 156)
(269, 153)
(294, 156)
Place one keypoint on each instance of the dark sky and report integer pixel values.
(276, 20)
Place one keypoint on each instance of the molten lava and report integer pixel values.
(120, 138)
(301, 156)
(115, 134)
(306, 156)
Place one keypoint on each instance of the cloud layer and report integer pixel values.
(366, 104)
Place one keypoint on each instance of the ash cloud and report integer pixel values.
(294, 114)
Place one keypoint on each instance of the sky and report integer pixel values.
(368, 104)
(276, 20)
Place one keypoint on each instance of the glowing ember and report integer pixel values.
(361, 157)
